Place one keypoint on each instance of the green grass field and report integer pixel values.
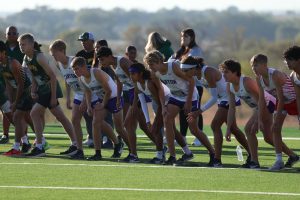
(57, 177)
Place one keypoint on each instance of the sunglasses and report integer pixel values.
(12, 33)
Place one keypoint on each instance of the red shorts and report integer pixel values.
(291, 108)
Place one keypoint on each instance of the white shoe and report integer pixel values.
(278, 165)
(104, 139)
(88, 142)
(196, 143)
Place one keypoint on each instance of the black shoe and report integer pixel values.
(107, 145)
(211, 160)
(156, 160)
(25, 147)
(217, 163)
(131, 159)
(247, 163)
(171, 161)
(118, 149)
(291, 161)
(70, 151)
(254, 165)
(95, 157)
(36, 152)
(185, 157)
(78, 155)
(4, 139)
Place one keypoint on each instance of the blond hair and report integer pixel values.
(155, 40)
(153, 57)
(58, 45)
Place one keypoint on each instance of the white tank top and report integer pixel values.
(70, 77)
(288, 88)
(178, 87)
(124, 79)
(220, 85)
(147, 91)
(243, 94)
(97, 88)
(295, 78)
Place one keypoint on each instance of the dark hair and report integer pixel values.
(260, 58)
(37, 46)
(102, 43)
(130, 48)
(2, 46)
(193, 60)
(140, 67)
(200, 61)
(104, 52)
(292, 53)
(233, 66)
(184, 50)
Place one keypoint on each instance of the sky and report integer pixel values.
(154, 5)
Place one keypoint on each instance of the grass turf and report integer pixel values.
(111, 179)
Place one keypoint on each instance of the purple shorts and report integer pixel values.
(180, 104)
(225, 104)
(111, 105)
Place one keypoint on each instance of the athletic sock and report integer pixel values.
(278, 156)
(16, 146)
(25, 139)
(74, 143)
(186, 150)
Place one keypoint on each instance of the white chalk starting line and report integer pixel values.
(151, 190)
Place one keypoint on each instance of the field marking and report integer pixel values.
(133, 165)
(153, 190)
(144, 136)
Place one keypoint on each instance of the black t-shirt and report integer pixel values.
(89, 56)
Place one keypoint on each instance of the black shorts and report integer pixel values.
(25, 102)
(44, 95)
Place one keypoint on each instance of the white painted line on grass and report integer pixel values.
(134, 165)
(153, 190)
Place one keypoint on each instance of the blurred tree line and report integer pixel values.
(221, 34)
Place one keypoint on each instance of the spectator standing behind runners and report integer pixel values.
(87, 42)
(281, 87)
(45, 90)
(159, 43)
(189, 47)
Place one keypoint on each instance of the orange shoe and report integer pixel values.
(13, 152)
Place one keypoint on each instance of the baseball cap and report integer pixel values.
(86, 36)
